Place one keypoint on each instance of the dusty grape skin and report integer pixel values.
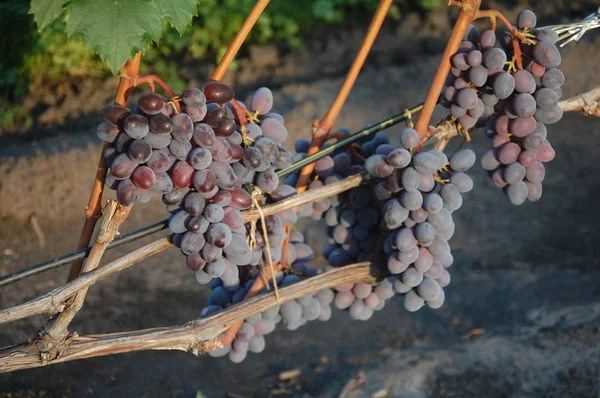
(162, 183)
(183, 127)
(200, 158)
(224, 175)
(547, 54)
(553, 78)
(274, 130)
(193, 97)
(526, 19)
(504, 85)
(158, 141)
(516, 193)
(106, 132)
(262, 101)
(122, 167)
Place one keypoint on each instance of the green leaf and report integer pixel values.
(46, 11)
(116, 29)
(179, 13)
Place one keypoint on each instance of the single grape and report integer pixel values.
(217, 92)
(516, 193)
(127, 193)
(494, 58)
(143, 177)
(267, 180)
(106, 132)
(546, 54)
(524, 81)
(504, 85)
(526, 19)
(546, 98)
(183, 127)
(181, 174)
(553, 78)
(215, 115)
(262, 100)
(139, 151)
(274, 130)
(151, 103)
(224, 175)
(466, 98)
(193, 97)
(525, 105)
(514, 173)
(462, 160)
(122, 167)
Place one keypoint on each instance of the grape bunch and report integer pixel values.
(292, 314)
(405, 211)
(523, 101)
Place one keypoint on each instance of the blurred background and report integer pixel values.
(522, 317)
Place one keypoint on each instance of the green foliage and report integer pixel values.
(115, 29)
(43, 42)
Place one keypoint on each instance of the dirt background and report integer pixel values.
(527, 276)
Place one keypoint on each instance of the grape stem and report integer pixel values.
(515, 35)
(468, 11)
(151, 79)
(93, 209)
(196, 336)
(239, 39)
(321, 129)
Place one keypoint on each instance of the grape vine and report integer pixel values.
(218, 165)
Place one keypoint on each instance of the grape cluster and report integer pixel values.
(406, 211)
(518, 132)
(198, 159)
(292, 314)
(484, 71)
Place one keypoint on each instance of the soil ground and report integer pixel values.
(526, 278)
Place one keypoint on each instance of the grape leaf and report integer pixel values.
(115, 29)
(46, 11)
(179, 13)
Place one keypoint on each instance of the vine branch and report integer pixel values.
(93, 209)
(469, 9)
(239, 39)
(56, 300)
(195, 336)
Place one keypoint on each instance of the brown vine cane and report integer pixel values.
(93, 209)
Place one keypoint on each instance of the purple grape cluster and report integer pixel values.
(406, 211)
(528, 102)
(198, 160)
(292, 314)
(522, 101)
